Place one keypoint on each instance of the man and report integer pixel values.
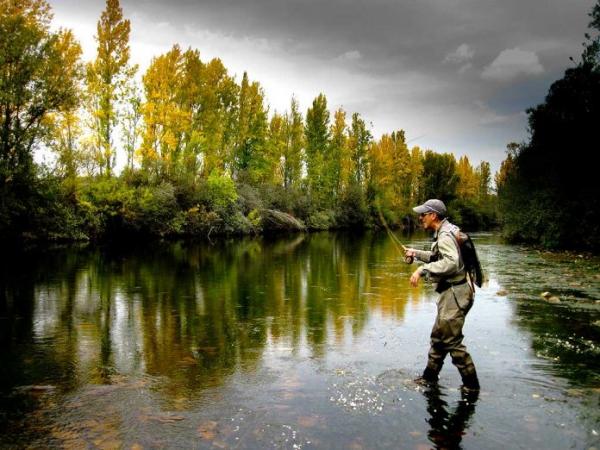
(444, 266)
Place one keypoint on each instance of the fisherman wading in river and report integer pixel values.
(444, 266)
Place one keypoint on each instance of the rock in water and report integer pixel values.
(274, 220)
(549, 297)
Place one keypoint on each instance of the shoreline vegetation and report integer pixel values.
(204, 156)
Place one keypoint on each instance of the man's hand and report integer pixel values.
(414, 278)
(410, 252)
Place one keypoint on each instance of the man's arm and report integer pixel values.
(448, 263)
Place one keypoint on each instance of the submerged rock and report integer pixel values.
(502, 293)
(549, 297)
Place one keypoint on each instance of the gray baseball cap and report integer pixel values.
(432, 205)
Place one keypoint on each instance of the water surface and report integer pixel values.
(309, 341)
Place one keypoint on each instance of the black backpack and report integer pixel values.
(468, 254)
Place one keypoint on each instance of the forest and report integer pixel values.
(203, 154)
(548, 190)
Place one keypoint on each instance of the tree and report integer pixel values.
(249, 158)
(469, 183)
(440, 179)
(38, 77)
(416, 173)
(591, 53)
(317, 137)
(507, 167)
(107, 77)
(166, 120)
(359, 140)
(64, 125)
(380, 187)
(217, 119)
(484, 175)
(540, 187)
(275, 149)
(401, 170)
(131, 122)
(338, 154)
(294, 143)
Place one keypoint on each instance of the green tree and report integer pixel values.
(416, 173)
(37, 77)
(131, 123)
(217, 118)
(317, 137)
(107, 77)
(64, 125)
(249, 153)
(359, 140)
(440, 179)
(294, 143)
(401, 171)
(275, 149)
(484, 175)
(337, 156)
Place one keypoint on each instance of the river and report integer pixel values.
(304, 341)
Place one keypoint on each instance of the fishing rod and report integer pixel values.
(399, 246)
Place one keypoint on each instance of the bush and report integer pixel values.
(321, 220)
(157, 211)
(221, 192)
(352, 211)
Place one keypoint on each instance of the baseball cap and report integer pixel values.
(432, 205)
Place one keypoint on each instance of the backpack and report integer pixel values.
(468, 254)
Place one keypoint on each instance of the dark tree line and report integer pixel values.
(548, 188)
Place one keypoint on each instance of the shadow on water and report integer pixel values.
(448, 426)
(306, 341)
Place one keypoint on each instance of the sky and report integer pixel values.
(456, 75)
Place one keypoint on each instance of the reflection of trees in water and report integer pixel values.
(193, 312)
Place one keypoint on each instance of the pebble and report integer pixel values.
(549, 297)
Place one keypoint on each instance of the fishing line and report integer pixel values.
(399, 246)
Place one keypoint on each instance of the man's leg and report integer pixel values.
(463, 299)
(437, 352)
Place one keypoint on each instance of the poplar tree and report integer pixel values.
(217, 117)
(401, 169)
(65, 128)
(165, 118)
(484, 175)
(358, 143)
(106, 79)
(294, 143)
(468, 186)
(275, 149)
(249, 156)
(338, 154)
(317, 141)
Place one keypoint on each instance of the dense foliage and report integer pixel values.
(547, 187)
(203, 153)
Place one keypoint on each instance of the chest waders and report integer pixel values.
(453, 304)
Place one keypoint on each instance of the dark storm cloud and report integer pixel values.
(420, 32)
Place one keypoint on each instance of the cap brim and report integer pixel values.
(421, 209)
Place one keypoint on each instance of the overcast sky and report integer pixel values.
(456, 75)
